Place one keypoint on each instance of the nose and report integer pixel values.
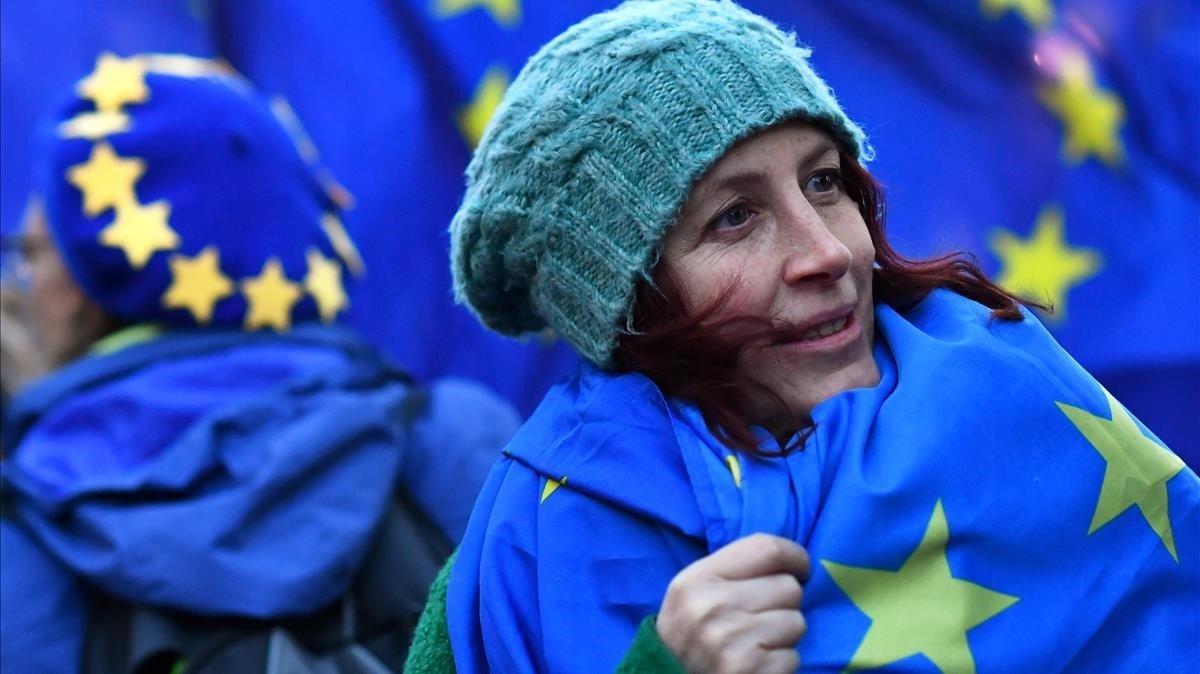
(813, 252)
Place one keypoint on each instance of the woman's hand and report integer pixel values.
(738, 609)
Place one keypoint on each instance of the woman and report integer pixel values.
(787, 430)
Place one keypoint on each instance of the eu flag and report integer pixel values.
(988, 506)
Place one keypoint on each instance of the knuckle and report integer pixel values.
(731, 661)
(715, 634)
(805, 560)
(782, 661)
(791, 591)
(771, 549)
(681, 582)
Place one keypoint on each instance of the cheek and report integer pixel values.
(864, 253)
(53, 296)
(739, 283)
(857, 239)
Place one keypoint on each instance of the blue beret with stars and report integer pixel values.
(178, 195)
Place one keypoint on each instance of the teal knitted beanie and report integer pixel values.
(597, 144)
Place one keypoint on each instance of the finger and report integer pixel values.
(760, 555)
(780, 628)
(781, 661)
(778, 591)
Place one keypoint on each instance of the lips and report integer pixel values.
(825, 329)
(821, 327)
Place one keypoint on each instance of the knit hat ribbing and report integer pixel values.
(596, 145)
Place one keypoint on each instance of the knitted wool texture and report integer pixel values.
(596, 145)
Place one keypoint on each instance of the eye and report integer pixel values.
(827, 181)
(733, 217)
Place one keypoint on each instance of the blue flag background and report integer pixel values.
(1057, 141)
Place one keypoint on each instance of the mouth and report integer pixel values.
(827, 334)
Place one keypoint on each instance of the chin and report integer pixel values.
(803, 391)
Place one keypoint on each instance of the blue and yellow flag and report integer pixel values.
(988, 506)
(1054, 139)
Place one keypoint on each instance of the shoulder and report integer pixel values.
(949, 347)
(619, 406)
(948, 321)
(614, 438)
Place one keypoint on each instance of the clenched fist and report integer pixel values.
(738, 609)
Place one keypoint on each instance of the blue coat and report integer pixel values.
(986, 506)
(221, 473)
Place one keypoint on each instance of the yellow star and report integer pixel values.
(551, 486)
(1038, 13)
(473, 118)
(94, 125)
(324, 283)
(505, 12)
(197, 284)
(921, 608)
(105, 179)
(1136, 470)
(1091, 116)
(342, 244)
(115, 82)
(735, 469)
(270, 297)
(1043, 267)
(140, 231)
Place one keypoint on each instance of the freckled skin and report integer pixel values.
(771, 218)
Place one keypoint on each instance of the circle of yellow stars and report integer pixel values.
(1045, 267)
(108, 181)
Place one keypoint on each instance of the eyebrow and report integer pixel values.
(740, 179)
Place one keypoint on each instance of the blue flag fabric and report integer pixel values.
(224, 474)
(987, 506)
(1054, 139)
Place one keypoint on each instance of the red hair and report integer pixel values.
(694, 357)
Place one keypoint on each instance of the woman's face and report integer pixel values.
(771, 223)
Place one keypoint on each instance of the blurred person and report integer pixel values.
(21, 359)
(66, 323)
(216, 476)
(792, 445)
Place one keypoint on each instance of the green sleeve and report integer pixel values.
(430, 652)
(648, 654)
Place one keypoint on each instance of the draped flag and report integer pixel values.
(1015, 518)
(1054, 139)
